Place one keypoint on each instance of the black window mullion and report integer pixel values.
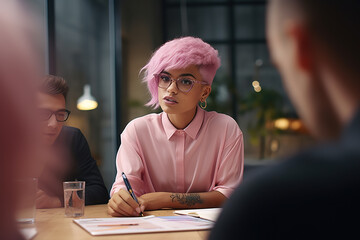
(232, 49)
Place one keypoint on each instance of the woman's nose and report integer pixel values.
(173, 87)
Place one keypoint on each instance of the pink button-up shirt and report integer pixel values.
(208, 155)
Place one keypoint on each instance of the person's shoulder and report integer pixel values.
(320, 182)
(319, 171)
(221, 121)
(70, 130)
(219, 117)
(69, 133)
(142, 123)
(72, 136)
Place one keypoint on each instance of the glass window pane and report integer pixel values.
(220, 99)
(250, 22)
(82, 57)
(254, 1)
(36, 6)
(209, 23)
(257, 108)
(197, 1)
(37, 9)
(173, 23)
(246, 57)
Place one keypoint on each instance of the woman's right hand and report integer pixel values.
(122, 204)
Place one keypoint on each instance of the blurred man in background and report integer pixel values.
(19, 67)
(315, 194)
(73, 160)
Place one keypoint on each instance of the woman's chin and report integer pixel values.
(169, 109)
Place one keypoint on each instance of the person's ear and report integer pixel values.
(301, 44)
(205, 92)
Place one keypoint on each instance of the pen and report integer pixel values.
(129, 188)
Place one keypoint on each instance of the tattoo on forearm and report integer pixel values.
(189, 199)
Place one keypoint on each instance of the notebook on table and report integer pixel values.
(206, 213)
(148, 224)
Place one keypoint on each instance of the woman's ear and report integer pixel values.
(302, 47)
(205, 92)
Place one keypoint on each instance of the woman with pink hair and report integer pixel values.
(184, 157)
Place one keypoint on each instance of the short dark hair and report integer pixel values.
(334, 23)
(54, 85)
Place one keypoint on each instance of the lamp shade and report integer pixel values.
(86, 102)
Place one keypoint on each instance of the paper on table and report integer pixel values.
(126, 225)
(206, 213)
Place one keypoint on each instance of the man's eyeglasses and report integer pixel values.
(60, 115)
(184, 84)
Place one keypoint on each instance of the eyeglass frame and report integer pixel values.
(54, 113)
(157, 76)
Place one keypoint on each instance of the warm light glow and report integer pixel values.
(256, 84)
(87, 101)
(295, 125)
(282, 123)
(87, 104)
(257, 89)
(274, 145)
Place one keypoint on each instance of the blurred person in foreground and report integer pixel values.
(315, 194)
(72, 160)
(19, 68)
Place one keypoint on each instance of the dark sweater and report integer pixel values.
(77, 164)
(314, 195)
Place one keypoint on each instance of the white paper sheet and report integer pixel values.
(128, 225)
(206, 213)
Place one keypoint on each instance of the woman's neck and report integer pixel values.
(181, 121)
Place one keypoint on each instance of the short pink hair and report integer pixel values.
(177, 54)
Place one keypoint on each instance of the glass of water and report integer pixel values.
(26, 203)
(74, 198)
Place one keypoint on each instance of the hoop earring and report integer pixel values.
(203, 105)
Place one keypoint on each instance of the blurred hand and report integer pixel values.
(122, 204)
(45, 201)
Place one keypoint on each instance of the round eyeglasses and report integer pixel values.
(184, 84)
(60, 115)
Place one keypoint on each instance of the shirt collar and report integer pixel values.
(192, 129)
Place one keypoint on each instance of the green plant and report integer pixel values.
(267, 106)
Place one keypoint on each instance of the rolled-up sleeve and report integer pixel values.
(128, 160)
(230, 170)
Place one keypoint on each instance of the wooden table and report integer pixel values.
(51, 224)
